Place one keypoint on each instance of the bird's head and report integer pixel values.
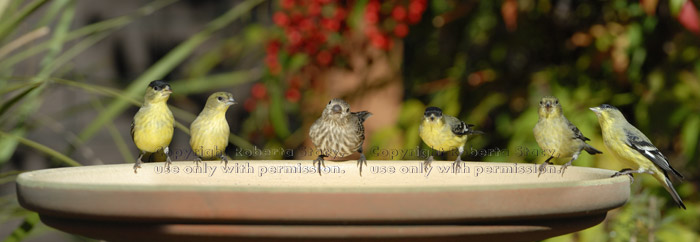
(336, 108)
(607, 112)
(220, 100)
(158, 91)
(432, 114)
(549, 106)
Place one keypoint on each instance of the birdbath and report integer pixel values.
(288, 199)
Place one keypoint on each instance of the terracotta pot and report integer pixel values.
(275, 200)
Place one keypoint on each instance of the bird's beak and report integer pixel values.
(231, 101)
(432, 118)
(595, 109)
(337, 108)
(548, 105)
(167, 89)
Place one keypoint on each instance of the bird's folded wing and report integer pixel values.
(648, 150)
(577, 132)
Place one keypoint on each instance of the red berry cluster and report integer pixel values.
(257, 93)
(308, 25)
(383, 19)
(316, 28)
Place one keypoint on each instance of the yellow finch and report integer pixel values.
(558, 137)
(209, 132)
(152, 129)
(444, 133)
(339, 132)
(634, 149)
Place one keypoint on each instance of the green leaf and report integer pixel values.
(8, 146)
(357, 14)
(4, 5)
(110, 25)
(119, 141)
(7, 105)
(278, 116)
(297, 61)
(59, 37)
(21, 232)
(441, 6)
(689, 135)
(675, 6)
(7, 27)
(43, 149)
(10, 176)
(213, 82)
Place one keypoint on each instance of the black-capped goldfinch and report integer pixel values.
(209, 132)
(152, 129)
(339, 132)
(443, 132)
(558, 137)
(635, 150)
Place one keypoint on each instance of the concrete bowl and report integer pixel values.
(288, 199)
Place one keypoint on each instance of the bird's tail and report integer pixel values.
(471, 131)
(669, 187)
(363, 115)
(158, 156)
(588, 148)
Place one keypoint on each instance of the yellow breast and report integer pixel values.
(209, 136)
(621, 152)
(554, 138)
(153, 128)
(439, 137)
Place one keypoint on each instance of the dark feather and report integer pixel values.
(158, 83)
(588, 148)
(362, 115)
(433, 110)
(577, 132)
(462, 128)
(132, 130)
(652, 153)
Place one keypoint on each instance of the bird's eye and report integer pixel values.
(329, 102)
(156, 88)
(556, 102)
(220, 98)
(541, 103)
(347, 110)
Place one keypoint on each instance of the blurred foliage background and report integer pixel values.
(72, 75)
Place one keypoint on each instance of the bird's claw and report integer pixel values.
(224, 160)
(361, 161)
(427, 163)
(197, 160)
(137, 164)
(320, 163)
(625, 171)
(456, 165)
(136, 167)
(168, 162)
(563, 167)
(542, 168)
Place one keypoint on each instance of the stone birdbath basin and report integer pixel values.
(283, 200)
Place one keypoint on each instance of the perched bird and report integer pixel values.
(209, 132)
(557, 136)
(339, 132)
(443, 132)
(634, 149)
(152, 128)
